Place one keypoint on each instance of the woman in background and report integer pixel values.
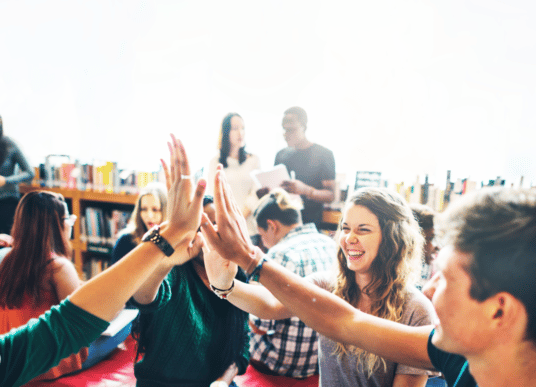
(238, 165)
(37, 273)
(10, 157)
(150, 210)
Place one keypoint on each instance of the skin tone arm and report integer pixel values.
(65, 279)
(319, 309)
(325, 195)
(118, 283)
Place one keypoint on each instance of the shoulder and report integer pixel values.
(321, 151)
(285, 152)
(59, 263)
(60, 268)
(418, 310)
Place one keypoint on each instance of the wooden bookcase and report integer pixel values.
(77, 201)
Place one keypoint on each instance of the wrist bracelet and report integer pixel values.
(254, 276)
(223, 294)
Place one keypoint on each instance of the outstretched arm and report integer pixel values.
(319, 309)
(253, 299)
(118, 283)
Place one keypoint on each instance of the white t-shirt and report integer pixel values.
(242, 185)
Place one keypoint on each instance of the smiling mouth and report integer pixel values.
(355, 255)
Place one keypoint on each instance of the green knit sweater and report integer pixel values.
(186, 333)
(34, 348)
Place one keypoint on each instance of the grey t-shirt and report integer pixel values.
(340, 371)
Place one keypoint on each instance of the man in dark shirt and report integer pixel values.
(312, 167)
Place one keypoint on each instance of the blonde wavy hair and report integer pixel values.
(136, 227)
(399, 254)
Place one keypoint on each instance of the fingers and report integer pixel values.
(227, 194)
(219, 197)
(183, 157)
(166, 173)
(205, 219)
(209, 231)
(172, 162)
(196, 245)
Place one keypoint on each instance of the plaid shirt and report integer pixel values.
(289, 347)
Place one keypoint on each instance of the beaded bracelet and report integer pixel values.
(254, 276)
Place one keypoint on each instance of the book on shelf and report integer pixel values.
(101, 227)
(94, 266)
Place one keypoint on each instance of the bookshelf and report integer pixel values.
(78, 201)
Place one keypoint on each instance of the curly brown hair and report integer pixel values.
(391, 271)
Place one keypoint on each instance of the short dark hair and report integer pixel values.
(498, 228)
(277, 205)
(424, 215)
(300, 114)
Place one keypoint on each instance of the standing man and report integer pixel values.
(288, 347)
(312, 165)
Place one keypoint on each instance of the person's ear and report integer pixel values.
(506, 311)
(271, 225)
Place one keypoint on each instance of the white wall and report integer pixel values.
(406, 87)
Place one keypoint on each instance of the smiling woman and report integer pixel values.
(379, 241)
(150, 210)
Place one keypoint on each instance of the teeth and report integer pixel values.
(356, 253)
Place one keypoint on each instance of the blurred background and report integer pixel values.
(408, 88)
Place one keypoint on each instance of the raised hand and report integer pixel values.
(184, 205)
(230, 238)
(220, 271)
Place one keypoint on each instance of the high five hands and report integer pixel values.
(185, 205)
(229, 237)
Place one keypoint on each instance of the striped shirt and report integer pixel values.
(289, 347)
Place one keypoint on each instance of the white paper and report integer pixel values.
(123, 318)
(271, 178)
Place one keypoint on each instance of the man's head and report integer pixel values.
(486, 288)
(276, 215)
(294, 126)
(425, 218)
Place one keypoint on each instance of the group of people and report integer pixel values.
(345, 308)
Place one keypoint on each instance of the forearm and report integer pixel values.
(119, 282)
(320, 195)
(338, 320)
(258, 301)
(148, 291)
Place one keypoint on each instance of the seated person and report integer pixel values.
(149, 210)
(187, 334)
(288, 347)
(379, 241)
(487, 270)
(35, 347)
(425, 218)
(45, 275)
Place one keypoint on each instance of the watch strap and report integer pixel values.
(153, 235)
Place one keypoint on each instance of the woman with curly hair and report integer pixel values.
(379, 248)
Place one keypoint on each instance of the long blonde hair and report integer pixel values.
(136, 227)
(398, 255)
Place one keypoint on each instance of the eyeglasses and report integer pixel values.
(70, 220)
